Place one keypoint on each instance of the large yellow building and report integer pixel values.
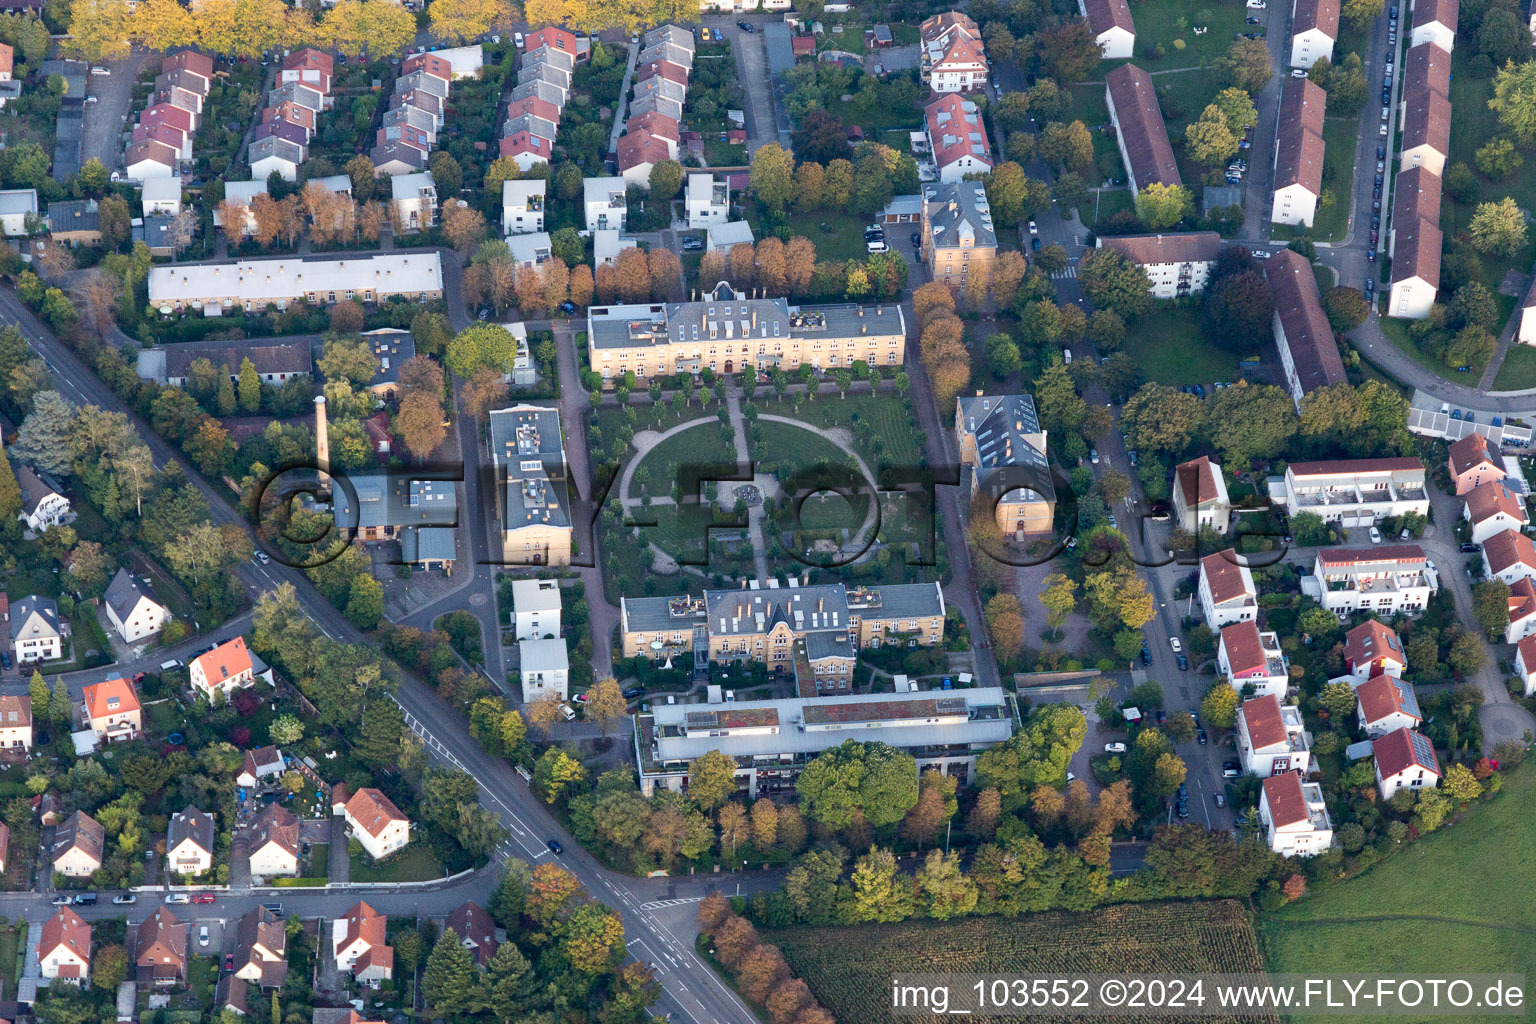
(765, 624)
(959, 241)
(727, 333)
(532, 485)
(1001, 439)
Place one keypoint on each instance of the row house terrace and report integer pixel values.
(1386, 580)
(1353, 492)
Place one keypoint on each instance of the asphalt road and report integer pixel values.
(689, 987)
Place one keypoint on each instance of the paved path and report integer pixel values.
(623, 105)
(744, 458)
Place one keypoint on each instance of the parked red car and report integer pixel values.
(204, 897)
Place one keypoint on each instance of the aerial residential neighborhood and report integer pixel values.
(517, 513)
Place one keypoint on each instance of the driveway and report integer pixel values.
(751, 53)
(113, 111)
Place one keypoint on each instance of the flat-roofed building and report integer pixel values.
(771, 741)
(532, 485)
(253, 285)
(1353, 492)
(1384, 580)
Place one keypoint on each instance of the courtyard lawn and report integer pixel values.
(413, 864)
(1168, 23)
(1088, 107)
(1339, 134)
(893, 438)
(10, 947)
(1105, 203)
(1184, 97)
(1518, 371)
(837, 236)
(1169, 348)
(700, 444)
(1451, 903)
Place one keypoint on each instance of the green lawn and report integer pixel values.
(893, 437)
(837, 236)
(1170, 349)
(413, 864)
(1518, 371)
(1167, 23)
(702, 443)
(10, 945)
(1102, 205)
(795, 447)
(1459, 901)
(1397, 331)
(1184, 96)
(1339, 135)
(1088, 107)
(1324, 276)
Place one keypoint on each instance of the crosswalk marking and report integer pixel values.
(1060, 275)
(658, 904)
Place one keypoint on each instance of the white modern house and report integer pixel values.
(1227, 591)
(708, 200)
(1385, 580)
(1295, 816)
(1353, 492)
(545, 668)
(536, 609)
(1200, 499)
(522, 206)
(42, 507)
(1250, 658)
(1509, 556)
(606, 203)
(223, 670)
(1271, 738)
(413, 201)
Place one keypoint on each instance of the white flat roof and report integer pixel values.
(542, 656)
(267, 280)
(535, 595)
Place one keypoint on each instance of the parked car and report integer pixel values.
(693, 243)
(1114, 748)
(229, 961)
(1221, 801)
(202, 935)
(1471, 549)
(917, 240)
(1231, 770)
(1176, 644)
(1201, 736)
(1093, 456)
(176, 899)
(62, 901)
(877, 245)
(1033, 229)
(1034, 243)
(633, 692)
(1298, 73)
(125, 898)
(1183, 660)
(1146, 655)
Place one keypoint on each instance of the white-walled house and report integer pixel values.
(1509, 556)
(545, 668)
(15, 726)
(79, 846)
(1373, 648)
(1385, 580)
(1227, 590)
(1314, 28)
(1200, 499)
(1434, 21)
(42, 507)
(36, 633)
(374, 819)
(536, 609)
(522, 206)
(64, 948)
(1386, 704)
(360, 947)
(189, 842)
(1271, 738)
(134, 614)
(274, 843)
(708, 200)
(1112, 25)
(1250, 658)
(606, 203)
(1493, 508)
(223, 670)
(1525, 664)
(1295, 816)
(1177, 264)
(1405, 760)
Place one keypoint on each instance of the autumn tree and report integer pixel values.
(634, 278)
(460, 21)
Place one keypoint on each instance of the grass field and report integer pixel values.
(1397, 331)
(1169, 22)
(413, 864)
(849, 969)
(892, 420)
(1170, 349)
(796, 446)
(1459, 901)
(1103, 205)
(1339, 135)
(842, 238)
(1518, 371)
(702, 443)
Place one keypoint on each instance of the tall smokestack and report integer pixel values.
(322, 437)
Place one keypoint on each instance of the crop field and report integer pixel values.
(849, 969)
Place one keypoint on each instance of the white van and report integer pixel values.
(1066, 356)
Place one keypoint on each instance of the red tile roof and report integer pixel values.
(1372, 641)
(175, 116)
(366, 923)
(1245, 650)
(310, 59)
(1287, 803)
(1197, 481)
(1426, 119)
(802, 45)
(1522, 600)
(99, 698)
(1403, 749)
(1427, 65)
(1104, 15)
(955, 130)
(526, 142)
(663, 69)
(1223, 576)
(639, 148)
(1316, 14)
(225, 661)
(1487, 500)
(1299, 144)
(189, 60)
(1508, 549)
(65, 929)
(373, 811)
(1381, 696)
(1178, 247)
(1347, 467)
(535, 106)
(1443, 11)
(551, 36)
(1470, 452)
(431, 63)
(1262, 717)
(1527, 648)
(1139, 119)
(657, 123)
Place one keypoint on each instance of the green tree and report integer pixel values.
(448, 983)
(365, 601)
(37, 688)
(943, 890)
(554, 772)
(1498, 159)
(874, 779)
(1114, 282)
(1037, 754)
(1339, 699)
(1490, 605)
(1162, 206)
(665, 180)
(60, 706)
(1514, 98)
(1360, 13)
(880, 891)
(1248, 421)
(1498, 228)
(772, 176)
(383, 723)
(1460, 784)
(249, 391)
(10, 491)
(711, 779)
(1219, 707)
(286, 729)
(1058, 596)
(593, 940)
(1209, 140)
(1245, 65)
